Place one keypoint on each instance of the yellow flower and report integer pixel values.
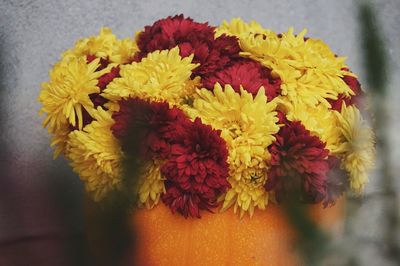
(59, 138)
(247, 193)
(151, 185)
(320, 120)
(96, 155)
(66, 96)
(309, 70)
(237, 27)
(105, 45)
(124, 51)
(358, 146)
(247, 125)
(190, 89)
(67, 92)
(161, 76)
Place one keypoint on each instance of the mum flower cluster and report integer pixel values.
(235, 116)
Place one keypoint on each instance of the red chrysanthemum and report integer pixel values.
(168, 32)
(196, 172)
(299, 163)
(356, 99)
(220, 54)
(104, 80)
(250, 74)
(191, 38)
(153, 122)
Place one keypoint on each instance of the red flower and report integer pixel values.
(356, 99)
(182, 202)
(108, 77)
(250, 74)
(154, 122)
(192, 38)
(196, 172)
(223, 52)
(171, 31)
(299, 163)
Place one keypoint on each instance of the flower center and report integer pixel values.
(255, 176)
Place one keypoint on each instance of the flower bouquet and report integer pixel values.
(232, 120)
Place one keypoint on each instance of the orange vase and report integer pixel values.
(223, 238)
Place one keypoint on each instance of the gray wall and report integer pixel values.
(34, 33)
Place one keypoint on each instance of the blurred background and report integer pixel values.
(41, 216)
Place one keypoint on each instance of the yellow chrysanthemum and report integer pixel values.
(100, 46)
(191, 86)
(124, 51)
(238, 27)
(151, 185)
(309, 71)
(247, 125)
(248, 193)
(67, 92)
(161, 76)
(72, 80)
(358, 147)
(96, 155)
(59, 138)
(105, 45)
(320, 120)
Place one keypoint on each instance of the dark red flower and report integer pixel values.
(196, 171)
(250, 74)
(182, 202)
(223, 52)
(192, 38)
(169, 32)
(105, 79)
(356, 99)
(299, 163)
(153, 122)
(282, 119)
